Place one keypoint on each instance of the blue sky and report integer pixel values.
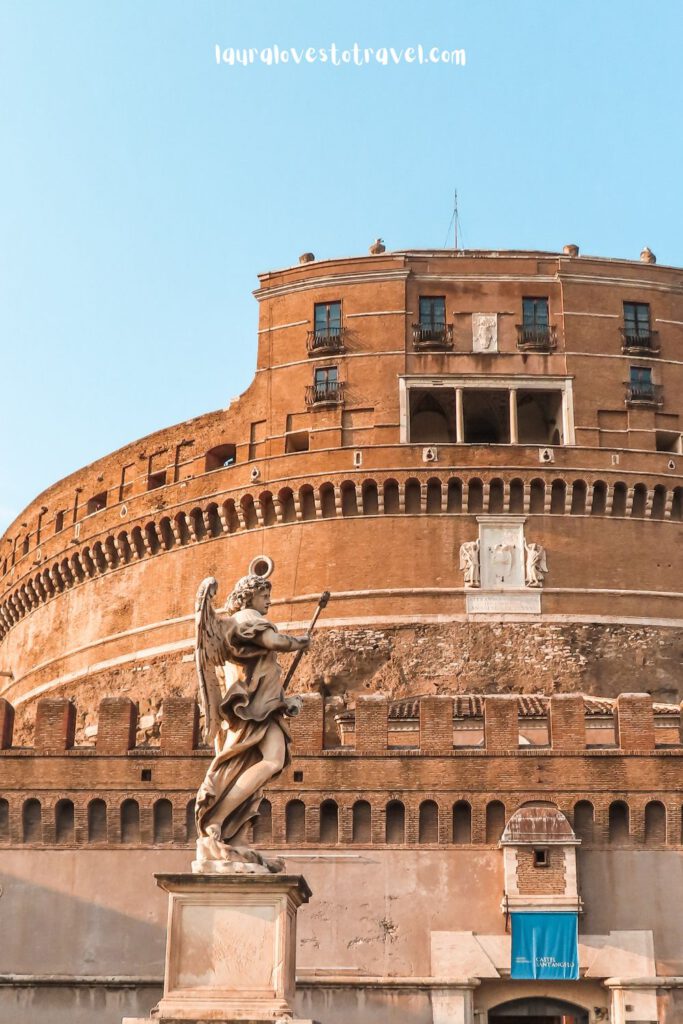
(143, 187)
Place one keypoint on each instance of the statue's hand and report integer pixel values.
(302, 643)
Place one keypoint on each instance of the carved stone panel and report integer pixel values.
(484, 332)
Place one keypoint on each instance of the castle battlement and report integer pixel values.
(394, 780)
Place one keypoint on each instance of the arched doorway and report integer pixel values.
(538, 1010)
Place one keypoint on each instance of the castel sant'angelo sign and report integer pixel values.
(479, 455)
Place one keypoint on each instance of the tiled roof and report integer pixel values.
(531, 705)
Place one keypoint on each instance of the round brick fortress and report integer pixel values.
(402, 404)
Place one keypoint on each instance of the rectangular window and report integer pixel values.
(637, 319)
(59, 522)
(433, 312)
(535, 312)
(641, 376)
(327, 319)
(325, 375)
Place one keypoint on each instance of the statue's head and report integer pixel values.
(244, 591)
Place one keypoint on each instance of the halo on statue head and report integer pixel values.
(262, 566)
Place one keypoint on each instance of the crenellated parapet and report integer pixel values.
(437, 771)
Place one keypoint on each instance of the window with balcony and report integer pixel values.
(636, 333)
(327, 334)
(535, 333)
(432, 331)
(326, 388)
(641, 389)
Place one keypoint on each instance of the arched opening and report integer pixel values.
(267, 508)
(349, 502)
(495, 821)
(433, 496)
(295, 816)
(361, 822)
(31, 822)
(163, 821)
(230, 515)
(329, 822)
(537, 497)
(619, 499)
(249, 512)
(516, 497)
(496, 497)
(263, 825)
(287, 510)
(658, 502)
(475, 496)
(370, 498)
(428, 823)
(392, 505)
(4, 821)
(639, 501)
(97, 821)
(220, 457)
(327, 502)
(538, 1010)
(413, 497)
(677, 504)
(130, 822)
(190, 824)
(655, 823)
(618, 822)
(64, 821)
(578, 498)
(432, 416)
(396, 822)
(462, 822)
(454, 497)
(599, 503)
(215, 527)
(584, 821)
(307, 502)
(558, 497)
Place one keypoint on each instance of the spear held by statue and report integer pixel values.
(322, 603)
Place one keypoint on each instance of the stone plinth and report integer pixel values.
(231, 946)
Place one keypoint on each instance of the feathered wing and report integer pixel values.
(210, 651)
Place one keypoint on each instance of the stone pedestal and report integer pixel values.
(231, 947)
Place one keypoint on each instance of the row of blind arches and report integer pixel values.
(430, 825)
(350, 498)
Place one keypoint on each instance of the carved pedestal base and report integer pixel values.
(231, 947)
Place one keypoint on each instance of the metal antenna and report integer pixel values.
(455, 221)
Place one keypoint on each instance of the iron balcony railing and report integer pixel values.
(325, 339)
(536, 337)
(329, 392)
(643, 393)
(642, 340)
(432, 336)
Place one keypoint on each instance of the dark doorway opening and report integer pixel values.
(538, 1010)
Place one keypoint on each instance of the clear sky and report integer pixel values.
(143, 186)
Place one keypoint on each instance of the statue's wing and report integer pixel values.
(210, 651)
(544, 561)
(463, 559)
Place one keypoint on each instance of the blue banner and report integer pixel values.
(545, 945)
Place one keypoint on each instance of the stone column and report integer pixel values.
(514, 433)
(459, 417)
(231, 946)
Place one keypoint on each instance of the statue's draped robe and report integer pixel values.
(253, 698)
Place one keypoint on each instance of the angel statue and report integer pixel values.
(536, 564)
(245, 709)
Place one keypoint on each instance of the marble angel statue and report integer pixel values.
(536, 564)
(245, 709)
